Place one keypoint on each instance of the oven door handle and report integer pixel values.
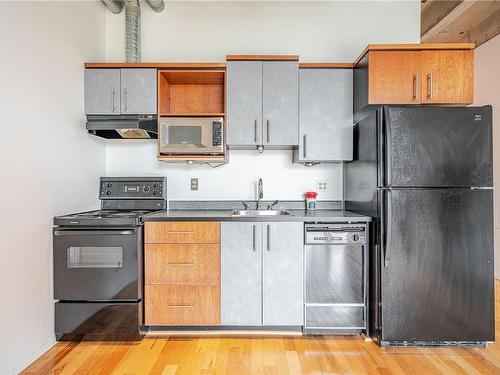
(92, 232)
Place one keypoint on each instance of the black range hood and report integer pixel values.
(123, 126)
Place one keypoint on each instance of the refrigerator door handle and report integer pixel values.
(388, 234)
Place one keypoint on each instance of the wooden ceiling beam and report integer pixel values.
(452, 16)
(433, 11)
(471, 21)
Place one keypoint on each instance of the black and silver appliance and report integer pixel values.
(336, 270)
(191, 135)
(123, 126)
(425, 175)
(98, 261)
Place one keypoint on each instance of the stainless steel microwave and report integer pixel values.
(191, 135)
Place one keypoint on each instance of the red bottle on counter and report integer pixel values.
(311, 200)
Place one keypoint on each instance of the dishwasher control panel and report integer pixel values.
(335, 234)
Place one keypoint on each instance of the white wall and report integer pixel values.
(207, 31)
(48, 164)
(487, 82)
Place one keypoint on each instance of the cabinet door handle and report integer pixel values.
(305, 145)
(268, 131)
(415, 86)
(182, 306)
(429, 86)
(254, 234)
(125, 101)
(113, 106)
(268, 237)
(255, 131)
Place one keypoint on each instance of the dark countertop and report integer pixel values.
(226, 215)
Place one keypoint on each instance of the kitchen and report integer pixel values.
(71, 183)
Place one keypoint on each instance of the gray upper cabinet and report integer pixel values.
(262, 104)
(283, 274)
(244, 103)
(138, 91)
(280, 111)
(120, 91)
(102, 91)
(241, 287)
(325, 115)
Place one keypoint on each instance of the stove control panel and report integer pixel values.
(133, 188)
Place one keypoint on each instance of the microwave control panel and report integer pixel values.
(216, 133)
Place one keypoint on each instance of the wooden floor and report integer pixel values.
(264, 355)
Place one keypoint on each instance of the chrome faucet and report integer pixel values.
(261, 193)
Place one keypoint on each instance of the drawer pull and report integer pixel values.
(182, 306)
(180, 264)
(181, 233)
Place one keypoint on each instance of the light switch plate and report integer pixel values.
(194, 184)
(321, 185)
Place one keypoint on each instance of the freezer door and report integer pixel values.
(437, 265)
(437, 146)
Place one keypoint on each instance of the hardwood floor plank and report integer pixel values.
(264, 354)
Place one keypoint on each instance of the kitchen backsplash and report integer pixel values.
(233, 181)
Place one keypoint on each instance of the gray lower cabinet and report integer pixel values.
(102, 91)
(282, 287)
(241, 282)
(262, 104)
(138, 91)
(262, 273)
(120, 91)
(325, 115)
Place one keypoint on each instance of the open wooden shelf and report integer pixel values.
(191, 92)
(193, 158)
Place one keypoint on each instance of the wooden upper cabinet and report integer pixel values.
(393, 77)
(414, 74)
(447, 76)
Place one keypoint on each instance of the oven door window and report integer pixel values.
(95, 257)
(184, 136)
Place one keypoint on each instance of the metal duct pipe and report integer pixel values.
(157, 5)
(133, 23)
(132, 30)
(114, 6)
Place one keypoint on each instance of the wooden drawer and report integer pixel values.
(182, 264)
(182, 232)
(182, 305)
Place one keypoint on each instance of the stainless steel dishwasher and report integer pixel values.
(336, 274)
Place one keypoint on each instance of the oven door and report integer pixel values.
(191, 136)
(97, 264)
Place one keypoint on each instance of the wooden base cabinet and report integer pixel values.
(182, 273)
(182, 305)
(262, 274)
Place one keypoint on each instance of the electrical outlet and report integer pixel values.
(194, 184)
(321, 185)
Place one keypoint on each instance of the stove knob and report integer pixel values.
(109, 184)
(155, 192)
(355, 237)
(155, 185)
(146, 189)
(108, 192)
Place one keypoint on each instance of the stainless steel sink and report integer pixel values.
(260, 212)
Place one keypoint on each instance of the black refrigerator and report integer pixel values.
(425, 175)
